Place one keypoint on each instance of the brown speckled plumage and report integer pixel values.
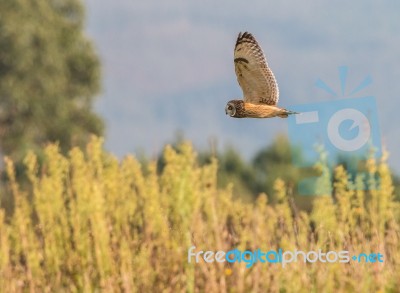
(258, 83)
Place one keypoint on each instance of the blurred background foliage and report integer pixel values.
(49, 75)
(252, 177)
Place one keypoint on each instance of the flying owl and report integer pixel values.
(260, 89)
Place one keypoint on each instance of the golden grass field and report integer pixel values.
(88, 222)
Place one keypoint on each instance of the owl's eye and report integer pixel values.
(230, 108)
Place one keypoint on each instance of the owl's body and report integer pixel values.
(240, 109)
(260, 89)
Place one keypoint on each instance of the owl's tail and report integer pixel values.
(285, 113)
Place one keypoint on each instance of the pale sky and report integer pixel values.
(168, 66)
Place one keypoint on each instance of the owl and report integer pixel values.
(260, 89)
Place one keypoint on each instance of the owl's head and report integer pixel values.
(234, 108)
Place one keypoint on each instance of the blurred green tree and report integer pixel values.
(49, 75)
(276, 161)
(257, 176)
(233, 169)
(251, 178)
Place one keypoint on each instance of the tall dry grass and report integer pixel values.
(89, 223)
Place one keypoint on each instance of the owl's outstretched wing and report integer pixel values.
(253, 74)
